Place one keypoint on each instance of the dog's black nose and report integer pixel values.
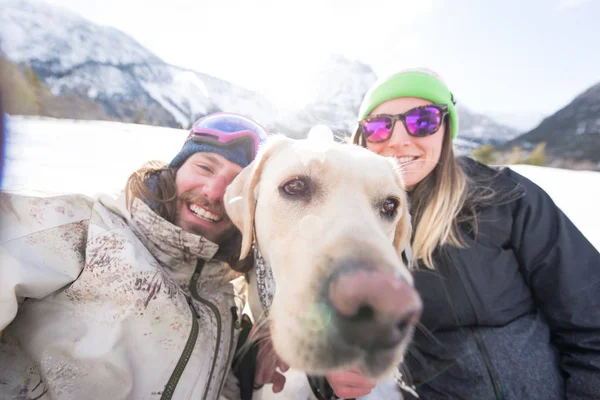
(373, 308)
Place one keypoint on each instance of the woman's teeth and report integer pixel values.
(203, 213)
(403, 160)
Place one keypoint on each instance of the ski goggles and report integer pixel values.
(419, 122)
(229, 130)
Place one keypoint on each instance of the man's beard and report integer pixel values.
(219, 209)
(190, 197)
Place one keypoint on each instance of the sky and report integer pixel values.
(515, 60)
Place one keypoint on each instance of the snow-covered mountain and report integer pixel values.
(75, 56)
(480, 128)
(342, 83)
(106, 67)
(571, 132)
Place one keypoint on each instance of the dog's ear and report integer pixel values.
(403, 234)
(241, 197)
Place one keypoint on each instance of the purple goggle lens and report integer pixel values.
(226, 128)
(419, 122)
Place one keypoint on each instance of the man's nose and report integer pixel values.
(214, 190)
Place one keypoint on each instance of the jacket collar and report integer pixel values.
(168, 243)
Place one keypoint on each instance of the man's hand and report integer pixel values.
(267, 363)
(349, 384)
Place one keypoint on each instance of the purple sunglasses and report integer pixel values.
(419, 122)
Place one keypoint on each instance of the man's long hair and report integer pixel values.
(164, 193)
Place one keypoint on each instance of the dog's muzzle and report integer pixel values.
(374, 309)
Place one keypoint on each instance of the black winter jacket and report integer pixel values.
(516, 314)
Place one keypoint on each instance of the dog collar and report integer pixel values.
(264, 281)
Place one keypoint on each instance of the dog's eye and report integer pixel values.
(389, 207)
(296, 187)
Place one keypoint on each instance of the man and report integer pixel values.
(132, 297)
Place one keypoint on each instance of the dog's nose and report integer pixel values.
(374, 308)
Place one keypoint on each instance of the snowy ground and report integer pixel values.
(52, 156)
(576, 192)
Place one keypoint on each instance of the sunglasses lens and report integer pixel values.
(423, 121)
(377, 129)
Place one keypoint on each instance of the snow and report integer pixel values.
(112, 80)
(92, 93)
(51, 156)
(54, 156)
(40, 31)
(157, 94)
(576, 193)
(190, 79)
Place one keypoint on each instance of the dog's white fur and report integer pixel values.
(302, 238)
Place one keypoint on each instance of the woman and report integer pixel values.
(511, 288)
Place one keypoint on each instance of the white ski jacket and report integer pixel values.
(97, 302)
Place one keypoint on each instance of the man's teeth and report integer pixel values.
(203, 213)
(403, 160)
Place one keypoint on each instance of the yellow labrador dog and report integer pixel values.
(330, 221)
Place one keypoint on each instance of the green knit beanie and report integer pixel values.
(410, 84)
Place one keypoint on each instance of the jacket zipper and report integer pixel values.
(480, 343)
(234, 324)
(193, 337)
(488, 363)
(185, 355)
(215, 310)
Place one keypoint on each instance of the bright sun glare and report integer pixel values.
(266, 45)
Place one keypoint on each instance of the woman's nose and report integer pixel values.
(400, 136)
